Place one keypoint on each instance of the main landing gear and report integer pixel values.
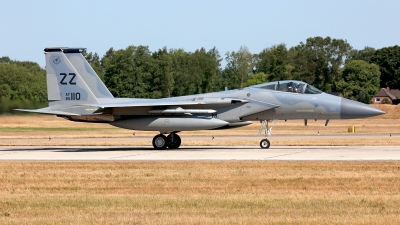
(172, 141)
(264, 143)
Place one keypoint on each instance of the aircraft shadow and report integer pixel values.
(112, 149)
(139, 149)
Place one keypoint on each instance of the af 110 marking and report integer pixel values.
(73, 96)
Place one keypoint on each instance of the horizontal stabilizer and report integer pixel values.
(47, 110)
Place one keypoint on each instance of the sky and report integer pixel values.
(28, 27)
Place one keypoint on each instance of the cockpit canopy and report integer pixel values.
(289, 86)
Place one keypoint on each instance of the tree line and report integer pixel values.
(22, 85)
(331, 65)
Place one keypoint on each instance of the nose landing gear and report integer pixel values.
(264, 143)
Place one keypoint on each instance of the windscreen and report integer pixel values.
(291, 86)
(312, 90)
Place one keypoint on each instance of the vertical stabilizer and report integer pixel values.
(87, 73)
(65, 85)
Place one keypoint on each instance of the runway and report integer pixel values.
(202, 153)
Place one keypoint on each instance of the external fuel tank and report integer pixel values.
(170, 123)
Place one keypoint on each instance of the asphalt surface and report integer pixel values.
(203, 153)
(189, 137)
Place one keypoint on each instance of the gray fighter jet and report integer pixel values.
(76, 93)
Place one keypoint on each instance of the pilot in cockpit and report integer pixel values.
(297, 88)
(292, 87)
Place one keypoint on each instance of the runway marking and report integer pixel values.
(126, 156)
(294, 153)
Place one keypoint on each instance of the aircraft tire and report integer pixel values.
(264, 143)
(160, 142)
(174, 141)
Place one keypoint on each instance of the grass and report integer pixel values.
(246, 192)
(47, 129)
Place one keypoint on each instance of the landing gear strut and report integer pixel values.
(172, 141)
(264, 143)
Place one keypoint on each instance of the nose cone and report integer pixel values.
(352, 110)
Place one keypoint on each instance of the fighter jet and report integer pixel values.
(75, 92)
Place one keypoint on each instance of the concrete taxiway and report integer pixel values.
(147, 153)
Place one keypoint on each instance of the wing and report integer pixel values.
(171, 106)
(157, 106)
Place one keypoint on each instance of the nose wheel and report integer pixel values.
(172, 141)
(264, 143)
